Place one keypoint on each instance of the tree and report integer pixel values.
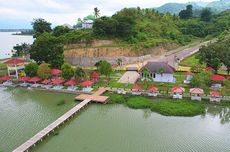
(105, 68)
(40, 26)
(97, 64)
(44, 71)
(67, 71)
(187, 13)
(211, 56)
(31, 69)
(96, 12)
(225, 53)
(22, 49)
(80, 73)
(49, 49)
(60, 30)
(206, 15)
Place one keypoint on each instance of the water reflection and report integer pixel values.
(147, 113)
(223, 113)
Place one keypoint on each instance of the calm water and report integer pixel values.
(107, 128)
(7, 41)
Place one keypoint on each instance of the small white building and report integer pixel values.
(196, 93)
(177, 92)
(87, 24)
(159, 72)
(215, 96)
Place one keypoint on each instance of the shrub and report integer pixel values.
(31, 69)
(44, 71)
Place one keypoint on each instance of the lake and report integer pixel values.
(107, 128)
(7, 41)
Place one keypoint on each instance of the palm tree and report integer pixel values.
(96, 12)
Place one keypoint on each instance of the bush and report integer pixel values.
(44, 71)
(31, 69)
(67, 71)
(139, 102)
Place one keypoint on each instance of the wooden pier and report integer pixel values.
(61, 120)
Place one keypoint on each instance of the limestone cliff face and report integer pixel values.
(88, 54)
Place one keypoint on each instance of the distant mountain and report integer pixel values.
(220, 5)
(175, 8)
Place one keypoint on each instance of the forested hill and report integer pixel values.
(146, 28)
(175, 8)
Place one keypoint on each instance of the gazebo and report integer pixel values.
(34, 80)
(152, 91)
(57, 82)
(136, 90)
(6, 80)
(15, 65)
(196, 93)
(24, 80)
(178, 92)
(55, 72)
(95, 76)
(87, 86)
(189, 76)
(71, 84)
(218, 80)
(215, 96)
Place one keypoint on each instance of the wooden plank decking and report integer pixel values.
(40, 135)
(46, 131)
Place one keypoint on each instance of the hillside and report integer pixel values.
(175, 8)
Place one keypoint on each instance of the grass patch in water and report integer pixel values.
(61, 102)
(170, 107)
(167, 107)
(139, 102)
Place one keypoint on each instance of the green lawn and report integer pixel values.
(191, 61)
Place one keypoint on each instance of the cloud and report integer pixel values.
(67, 11)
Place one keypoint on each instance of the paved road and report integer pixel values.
(171, 56)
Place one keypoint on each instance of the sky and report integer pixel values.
(20, 13)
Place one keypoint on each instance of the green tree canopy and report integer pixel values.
(80, 73)
(206, 15)
(105, 68)
(49, 49)
(187, 13)
(31, 69)
(40, 26)
(44, 71)
(60, 30)
(67, 71)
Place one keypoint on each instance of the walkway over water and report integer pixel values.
(61, 120)
(96, 97)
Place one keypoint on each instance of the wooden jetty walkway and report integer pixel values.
(61, 120)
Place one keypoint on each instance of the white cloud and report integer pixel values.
(67, 11)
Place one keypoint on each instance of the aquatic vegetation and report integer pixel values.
(61, 102)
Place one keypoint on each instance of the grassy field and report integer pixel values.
(191, 61)
(168, 107)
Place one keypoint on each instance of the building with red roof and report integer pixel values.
(217, 77)
(14, 65)
(71, 82)
(215, 96)
(86, 83)
(55, 72)
(152, 89)
(95, 76)
(23, 79)
(45, 81)
(34, 80)
(196, 93)
(5, 78)
(57, 81)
